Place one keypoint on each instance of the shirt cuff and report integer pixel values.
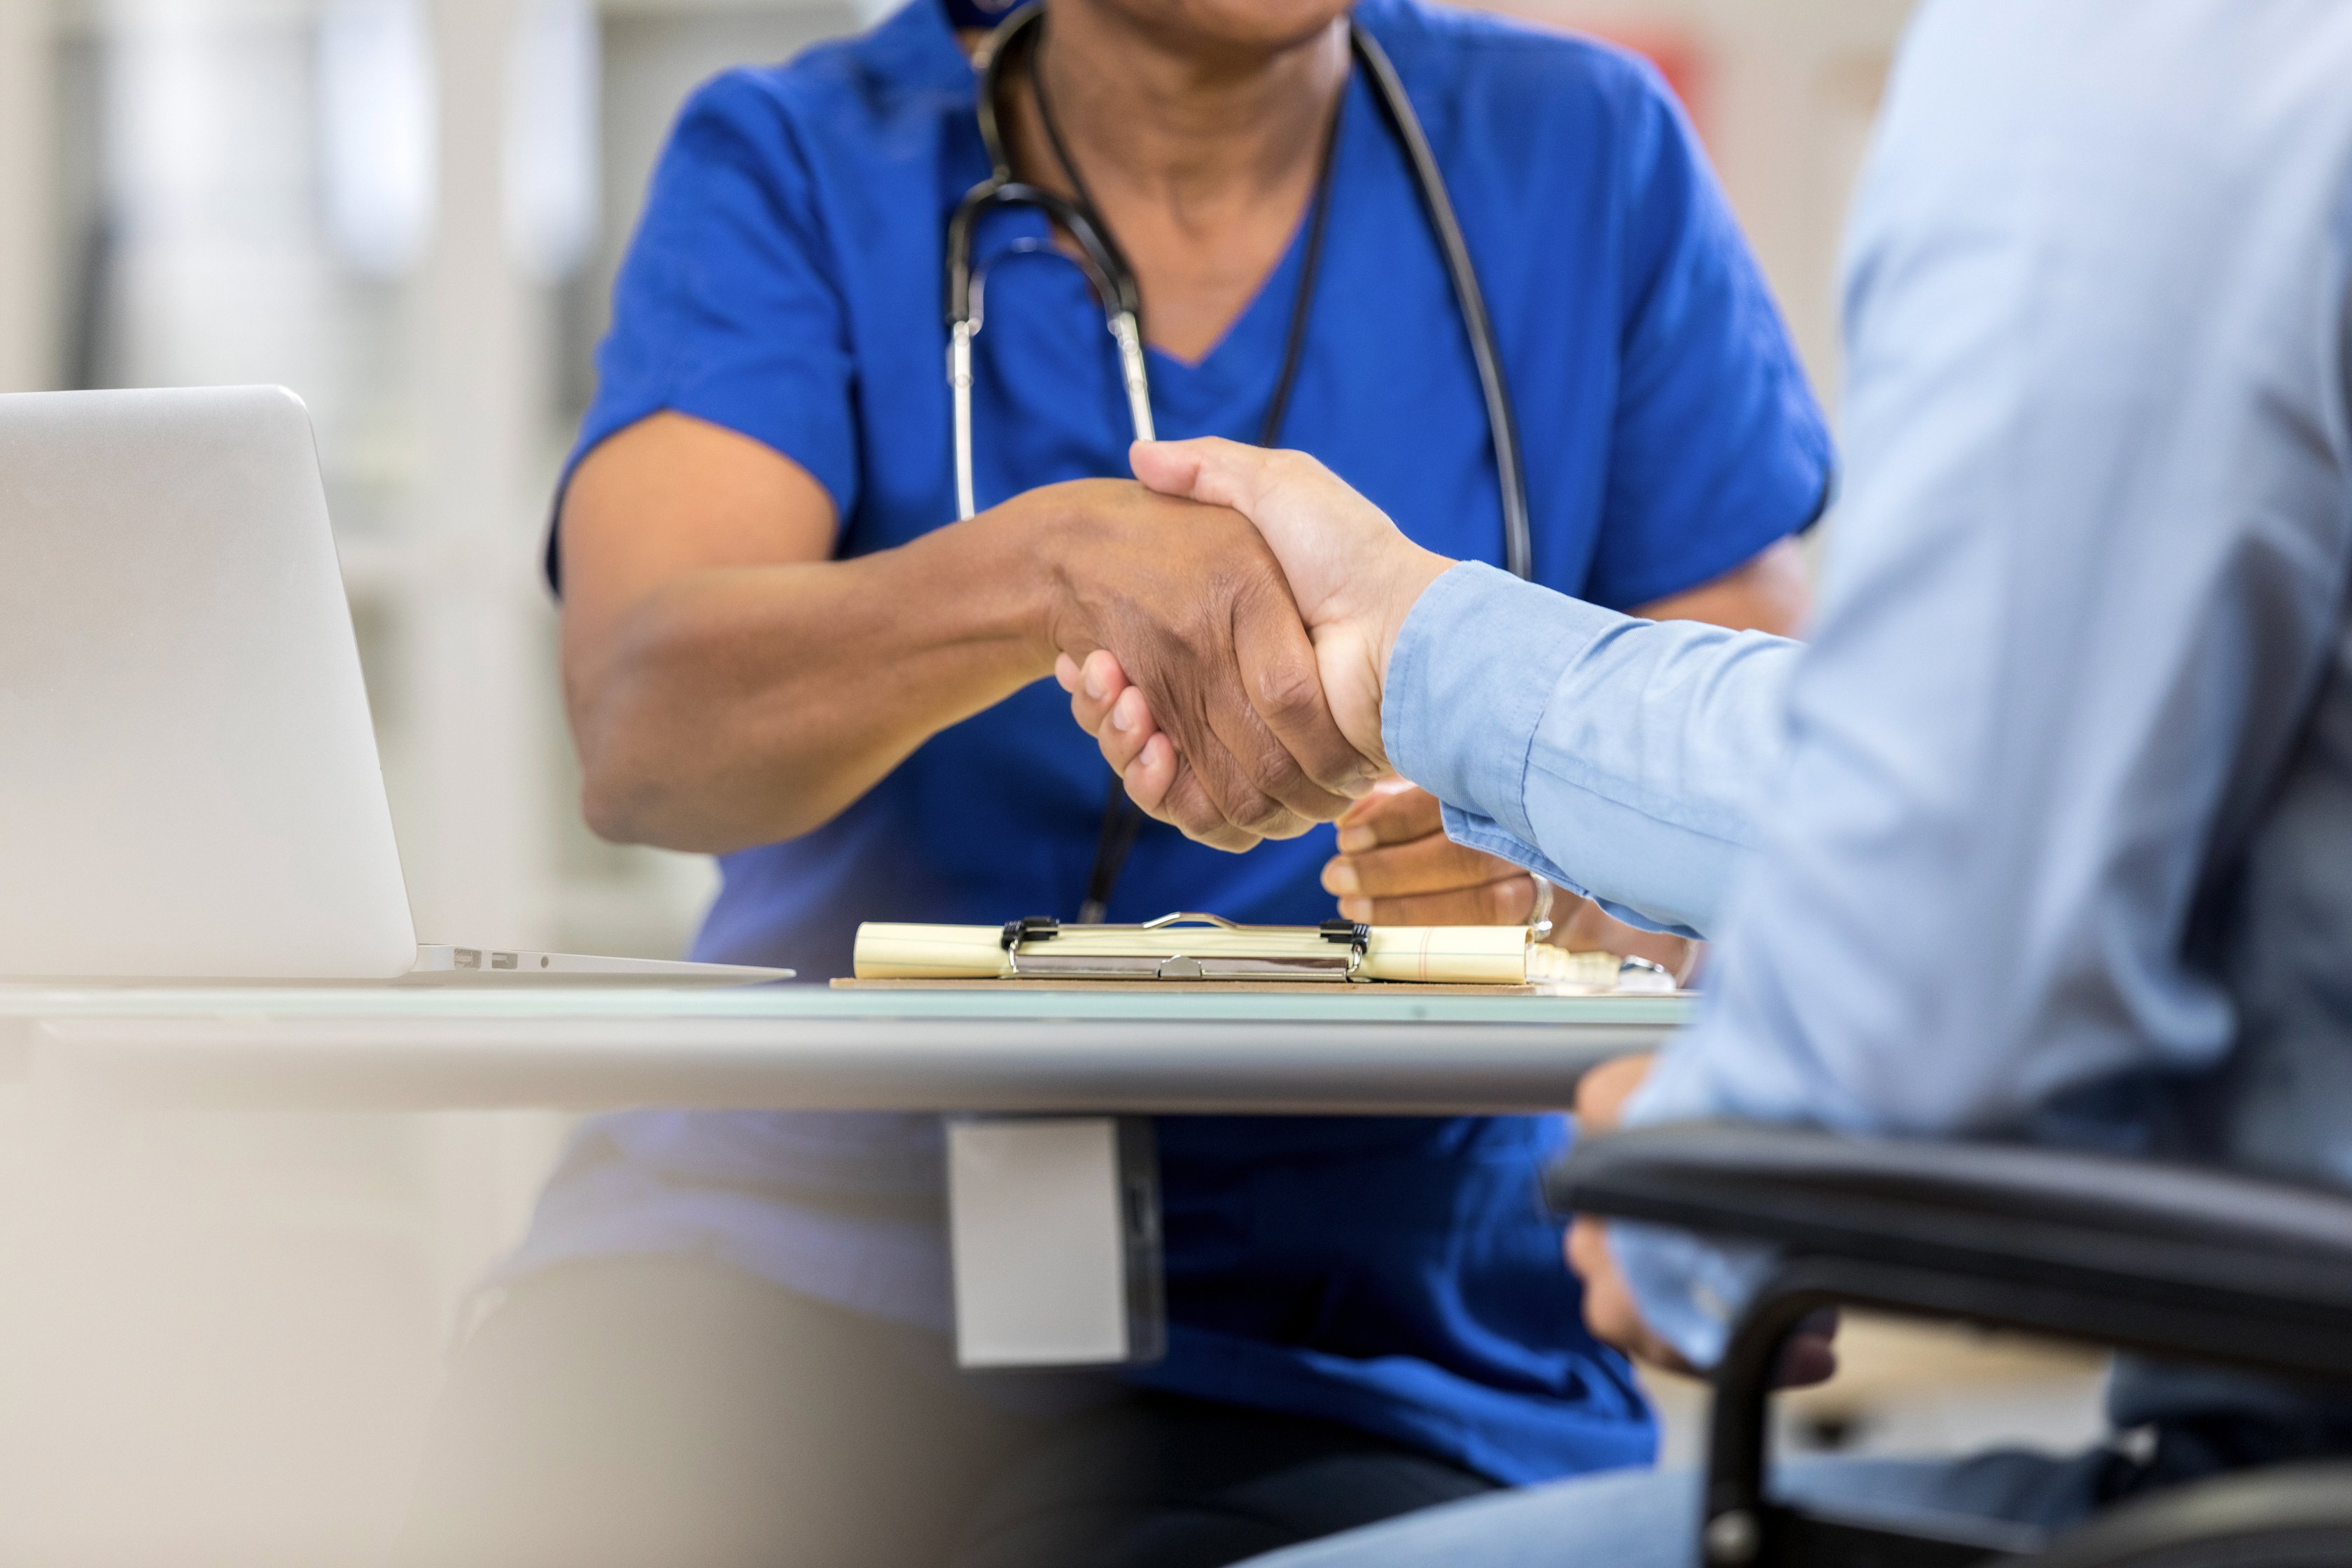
(1689, 1291)
(1474, 668)
(1475, 832)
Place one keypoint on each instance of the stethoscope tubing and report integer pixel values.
(1502, 423)
(1115, 284)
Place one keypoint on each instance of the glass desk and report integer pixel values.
(801, 1047)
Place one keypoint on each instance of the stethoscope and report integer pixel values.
(1098, 257)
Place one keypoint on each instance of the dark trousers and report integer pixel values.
(682, 1414)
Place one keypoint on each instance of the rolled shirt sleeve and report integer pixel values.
(1619, 757)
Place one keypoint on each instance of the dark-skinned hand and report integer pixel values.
(1396, 866)
(1191, 597)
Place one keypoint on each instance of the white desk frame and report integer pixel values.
(1066, 1295)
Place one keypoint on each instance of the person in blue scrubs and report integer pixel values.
(724, 1338)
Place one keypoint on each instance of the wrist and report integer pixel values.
(1402, 585)
(1019, 564)
(1356, 637)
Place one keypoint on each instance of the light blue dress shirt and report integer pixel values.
(2048, 833)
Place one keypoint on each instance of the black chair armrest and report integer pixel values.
(2201, 1264)
(2208, 1243)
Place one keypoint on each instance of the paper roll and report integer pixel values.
(1447, 955)
(887, 952)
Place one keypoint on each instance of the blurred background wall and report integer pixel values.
(219, 1335)
(410, 211)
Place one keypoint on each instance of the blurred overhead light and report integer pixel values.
(553, 159)
(377, 132)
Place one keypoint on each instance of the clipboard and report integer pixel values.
(1196, 950)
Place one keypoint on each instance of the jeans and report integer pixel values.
(1648, 1518)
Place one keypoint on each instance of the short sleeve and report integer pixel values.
(1720, 448)
(727, 306)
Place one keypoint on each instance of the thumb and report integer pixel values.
(1207, 469)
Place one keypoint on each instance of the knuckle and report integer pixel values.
(1264, 816)
(1197, 819)
(1273, 773)
(1283, 684)
(1288, 693)
(1192, 808)
(1268, 783)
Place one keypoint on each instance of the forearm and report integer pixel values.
(1623, 758)
(743, 705)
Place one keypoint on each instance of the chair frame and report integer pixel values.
(2127, 1254)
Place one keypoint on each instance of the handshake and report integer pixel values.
(1223, 631)
(1257, 714)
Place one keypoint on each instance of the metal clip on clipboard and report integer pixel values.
(1036, 948)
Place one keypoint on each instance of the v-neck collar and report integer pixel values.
(1250, 348)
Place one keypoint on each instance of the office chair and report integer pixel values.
(2191, 1265)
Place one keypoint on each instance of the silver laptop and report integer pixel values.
(189, 786)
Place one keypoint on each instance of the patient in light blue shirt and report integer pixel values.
(2048, 834)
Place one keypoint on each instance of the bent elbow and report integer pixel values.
(627, 794)
(627, 801)
(616, 805)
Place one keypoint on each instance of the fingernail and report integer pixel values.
(1356, 908)
(1356, 841)
(1095, 685)
(1340, 879)
(1122, 721)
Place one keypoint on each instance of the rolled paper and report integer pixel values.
(1447, 955)
(886, 951)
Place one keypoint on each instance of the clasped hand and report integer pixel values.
(1224, 629)
(1353, 576)
(1350, 577)
(1203, 620)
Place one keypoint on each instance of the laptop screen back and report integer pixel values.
(189, 785)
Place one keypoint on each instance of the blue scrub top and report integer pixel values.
(1399, 1274)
